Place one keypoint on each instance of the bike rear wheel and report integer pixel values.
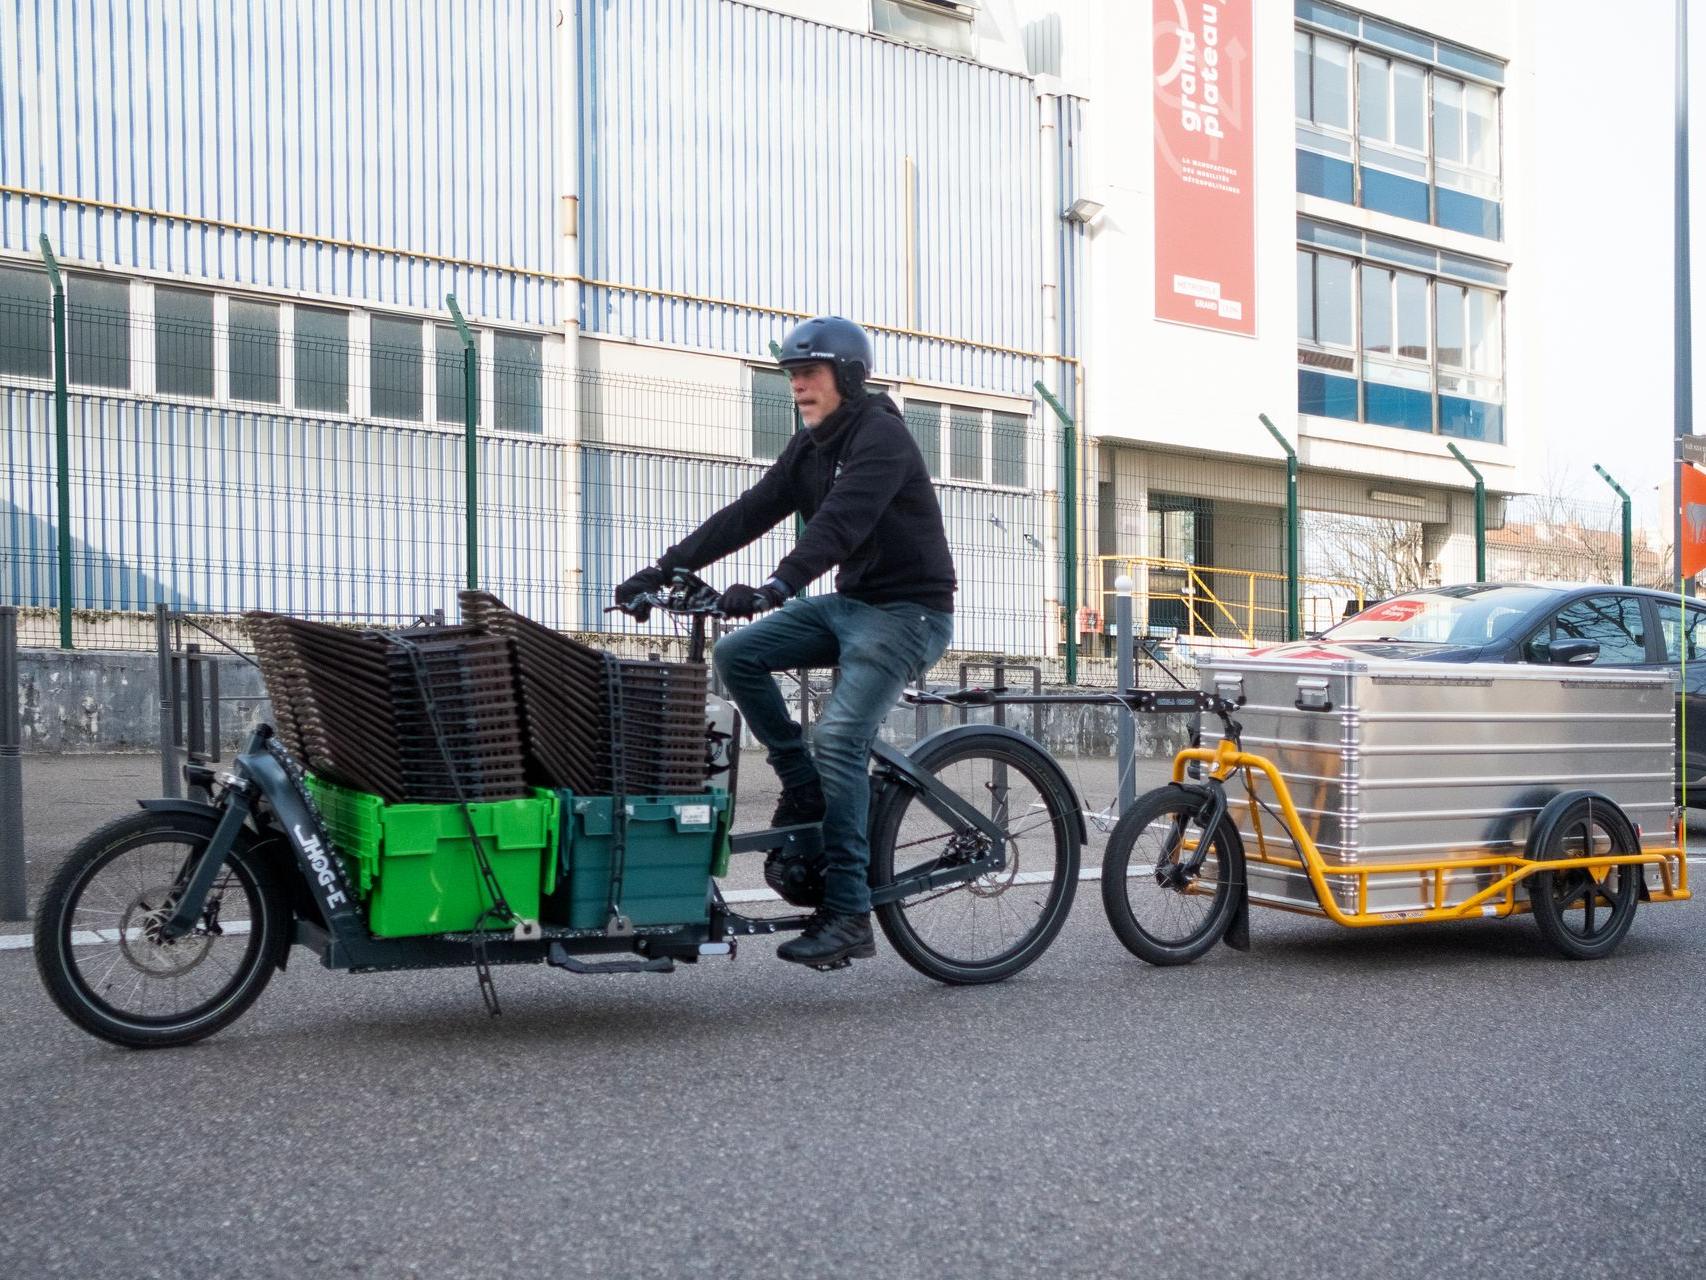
(101, 955)
(990, 928)
(1167, 905)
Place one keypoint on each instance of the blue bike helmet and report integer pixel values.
(834, 341)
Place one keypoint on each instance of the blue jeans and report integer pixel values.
(879, 648)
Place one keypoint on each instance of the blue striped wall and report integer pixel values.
(421, 125)
(734, 153)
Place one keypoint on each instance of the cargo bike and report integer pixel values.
(1382, 794)
(165, 926)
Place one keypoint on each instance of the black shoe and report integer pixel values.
(799, 805)
(831, 939)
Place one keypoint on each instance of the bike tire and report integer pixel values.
(1224, 887)
(57, 919)
(1553, 894)
(1045, 892)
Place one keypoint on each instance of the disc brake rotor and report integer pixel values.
(143, 945)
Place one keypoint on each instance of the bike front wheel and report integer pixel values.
(1170, 888)
(101, 954)
(989, 928)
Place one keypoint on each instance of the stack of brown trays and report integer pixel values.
(580, 702)
(353, 707)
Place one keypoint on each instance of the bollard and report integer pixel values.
(170, 779)
(195, 745)
(14, 902)
(1125, 677)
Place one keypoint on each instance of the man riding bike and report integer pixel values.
(856, 476)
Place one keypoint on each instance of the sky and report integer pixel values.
(1600, 275)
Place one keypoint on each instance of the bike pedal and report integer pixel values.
(846, 962)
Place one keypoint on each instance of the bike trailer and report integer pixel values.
(1404, 762)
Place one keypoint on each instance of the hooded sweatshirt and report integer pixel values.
(861, 485)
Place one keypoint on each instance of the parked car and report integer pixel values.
(1574, 625)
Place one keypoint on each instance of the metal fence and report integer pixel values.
(214, 455)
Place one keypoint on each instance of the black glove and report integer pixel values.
(651, 578)
(742, 601)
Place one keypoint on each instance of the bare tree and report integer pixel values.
(1382, 556)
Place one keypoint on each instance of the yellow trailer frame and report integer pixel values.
(1498, 899)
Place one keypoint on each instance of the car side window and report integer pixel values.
(1681, 642)
(1616, 622)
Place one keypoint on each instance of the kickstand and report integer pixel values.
(483, 974)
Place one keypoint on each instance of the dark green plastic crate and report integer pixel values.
(413, 865)
(673, 842)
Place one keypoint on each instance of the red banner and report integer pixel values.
(1205, 216)
(1693, 491)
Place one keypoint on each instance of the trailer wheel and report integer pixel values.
(1585, 911)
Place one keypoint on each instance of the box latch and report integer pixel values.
(1313, 694)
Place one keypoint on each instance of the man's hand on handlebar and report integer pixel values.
(742, 601)
(647, 581)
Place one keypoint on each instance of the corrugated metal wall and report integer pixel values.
(424, 125)
(739, 154)
(218, 511)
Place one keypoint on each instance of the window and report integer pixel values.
(398, 369)
(773, 419)
(1426, 351)
(1387, 120)
(1471, 387)
(1612, 620)
(517, 400)
(97, 336)
(253, 342)
(1326, 335)
(26, 320)
(183, 342)
(1466, 150)
(452, 375)
(1670, 617)
(1007, 449)
(939, 25)
(965, 444)
(924, 421)
(1325, 154)
(322, 359)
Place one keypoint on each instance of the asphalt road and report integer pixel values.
(1424, 1101)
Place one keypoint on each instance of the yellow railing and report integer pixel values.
(1225, 604)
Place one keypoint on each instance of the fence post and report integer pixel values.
(1293, 539)
(1480, 513)
(471, 444)
(799, 520)
(14, 901)
(1628, 526)
(1125, 677)
(1069, 525)
(61, 438)
(171, 780)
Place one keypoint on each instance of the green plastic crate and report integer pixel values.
(672, 844)
(413, 865)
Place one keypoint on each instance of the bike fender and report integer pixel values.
(196, 808)
(1237, 934)
(1050, 764)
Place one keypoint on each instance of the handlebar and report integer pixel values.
(1154, 701)
(687, 594)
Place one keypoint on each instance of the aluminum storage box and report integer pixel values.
(1422, 761)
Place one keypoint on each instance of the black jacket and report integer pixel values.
(861, 484)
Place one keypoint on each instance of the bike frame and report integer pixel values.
(1497, 899)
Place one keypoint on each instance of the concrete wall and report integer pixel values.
(98, 701)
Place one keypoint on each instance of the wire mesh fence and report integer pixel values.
(227, 453)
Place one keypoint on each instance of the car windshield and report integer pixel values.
(1475, 614)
